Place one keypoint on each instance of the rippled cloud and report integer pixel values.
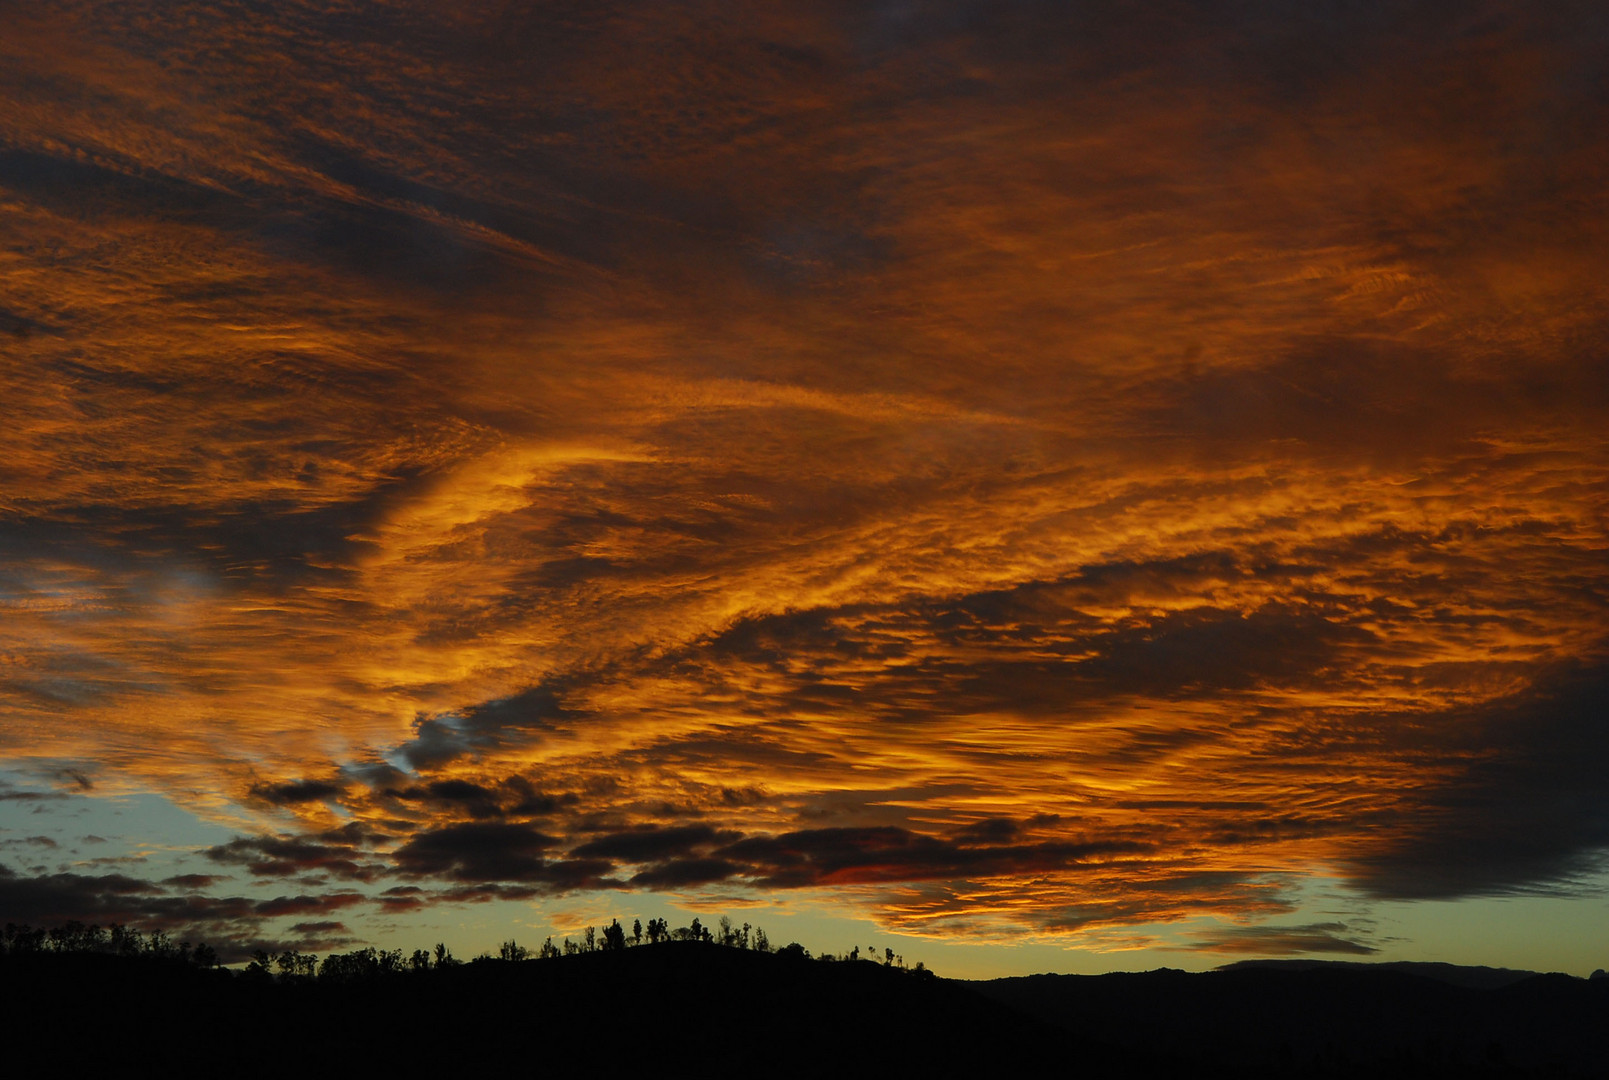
(987, 465)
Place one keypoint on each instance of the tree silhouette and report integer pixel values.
(262, 964)
(359, 965)
(126, 941)
(614, 937)
(159, 945)
(74, 936)
(296, 965)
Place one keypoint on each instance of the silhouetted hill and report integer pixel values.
(705, 1010)
(674, 1007)
(1351, 1020)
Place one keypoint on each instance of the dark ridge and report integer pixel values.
(676, 1007)
(1330, 1020)
(699, 1008)
(1476, 978)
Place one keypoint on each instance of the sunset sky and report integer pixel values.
(1039, 485)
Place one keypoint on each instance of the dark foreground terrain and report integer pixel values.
(712, 1011)
(1333, 1019)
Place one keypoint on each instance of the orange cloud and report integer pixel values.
(996, 469)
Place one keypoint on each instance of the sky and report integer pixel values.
(1048, 486)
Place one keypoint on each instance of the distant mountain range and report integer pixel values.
(1279, 1018)
(1475, 978)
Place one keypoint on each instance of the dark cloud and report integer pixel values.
(488, 892)
(283, 856)
(1389, 402)
(740, 749)
(400, 898)
(480, 853)
(1207, 649)
(650, 844)
(1005, 636)
(435, 742)
(293, 792)
(490, 797)
(443, 739)
(1524, 805)
(320, 928)
(1332, 937)
(232, 924)
(79, 780)
(815, 857)
(989, 831)
(1018, 612)
(461, 795)
(534, 803)
(97, 191)
(65, 884)
(778, 638)
(461, 791)
(355, 834)
(687, 873)
(306, 905)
